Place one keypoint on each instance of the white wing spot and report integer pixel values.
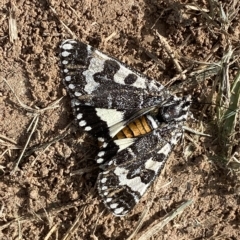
(113, 206)
(71, 86)
(102, 153)
(82, 123)
(64, 62)
(109, 199)
(65, 53)
(100, 139)
(75, 102)
(67, 46)
(118, 210)
(100, 160)
(103, 180)
(68, 78)
(77, 94)
(110, 162)
(88, 128)
(79, 116)
(104, 145)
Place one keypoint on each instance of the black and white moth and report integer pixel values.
(136, 119)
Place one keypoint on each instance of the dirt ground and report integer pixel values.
(52, 193)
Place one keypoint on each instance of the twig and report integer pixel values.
(73, 227)
(12, 23)
(195, 132)
(35, 119)
(52, 230)
(144, 213)
(8, 139)
(152, 231)
(170, 53)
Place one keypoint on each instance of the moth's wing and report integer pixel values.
(105, 94)
(93, 78)
(127, 176)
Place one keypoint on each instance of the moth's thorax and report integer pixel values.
(175, 109)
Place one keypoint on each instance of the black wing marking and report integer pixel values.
(129, 174)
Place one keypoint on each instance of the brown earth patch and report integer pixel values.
(44, 198)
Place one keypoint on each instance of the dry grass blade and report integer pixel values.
(155, 59)
(112, 35)
(10, 146)
(223, 14)
(222, 17)
(225, 85)
(2, 210)
(19, 101)
(73, 228)
(140, 222)
(54, 104)
(46, 144)
(155, 229)
(196, 8)
(99, 216)
(29, 109)
(19, 230)
(35, 120)
(227, 98)
(8, 139)
(2, 169)
(170, 53)
(197, 77)
(144, 213)
(52, 230)
(230, 116)
(226, 17)
(196, 132)
(83, 171)
(12, 23)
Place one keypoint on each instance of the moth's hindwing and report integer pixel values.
(136, 119)
(129, 174)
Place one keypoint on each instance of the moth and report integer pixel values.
(136, 120)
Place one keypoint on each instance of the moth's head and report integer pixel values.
(174, 109)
